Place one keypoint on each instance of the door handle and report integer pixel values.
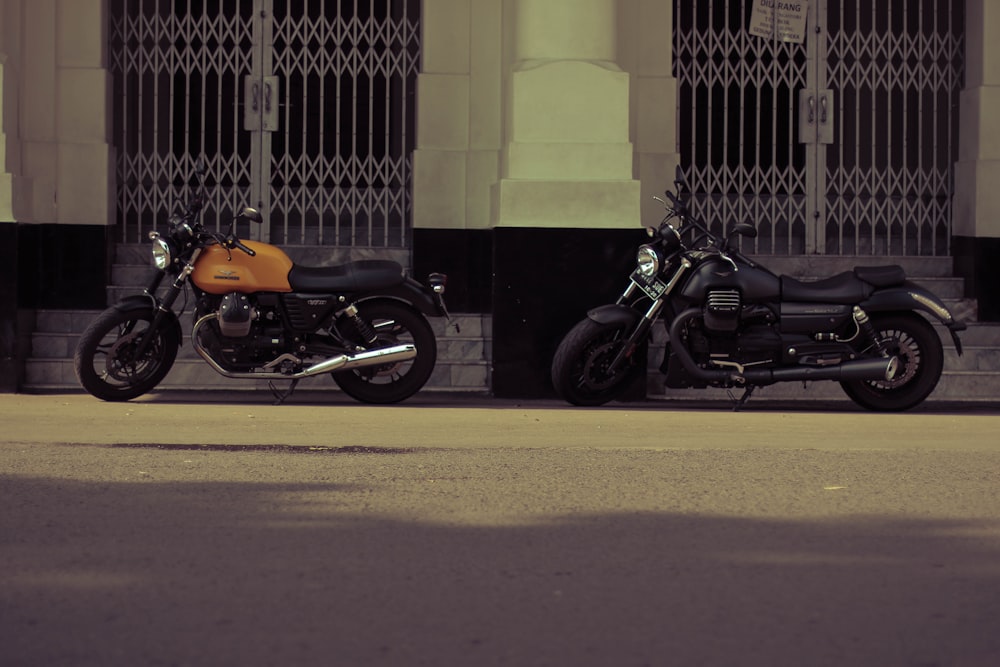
(269, 116)
(260, 108)
(824, 131)
(251, 103)
(815, 116)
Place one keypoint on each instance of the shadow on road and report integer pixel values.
(204, 573)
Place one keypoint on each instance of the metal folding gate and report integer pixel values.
(302, 108)
(843, 143)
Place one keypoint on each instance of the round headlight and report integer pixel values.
(647, 261)
(161, 253)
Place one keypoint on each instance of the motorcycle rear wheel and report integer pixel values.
(914, 341)
(395, 324)
(105, 362)
(580, 373)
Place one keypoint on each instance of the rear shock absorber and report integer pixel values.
(865, 325)
(364, 329)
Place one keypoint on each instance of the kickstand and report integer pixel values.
(741, 401)
(280, 396)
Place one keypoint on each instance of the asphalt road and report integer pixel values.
(223, 530)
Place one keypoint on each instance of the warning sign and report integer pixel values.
(784, 21)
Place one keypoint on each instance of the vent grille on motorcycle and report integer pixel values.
(235, 315)
(722, 310)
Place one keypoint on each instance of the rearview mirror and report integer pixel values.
(252, 214)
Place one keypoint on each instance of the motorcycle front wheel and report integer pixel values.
(581, 372)
(106, 360)
(395, 324)
(915, 343)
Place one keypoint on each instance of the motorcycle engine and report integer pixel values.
(722, 310)
(730, 330)
(246, 331)
(235, 315)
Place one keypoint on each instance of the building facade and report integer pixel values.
(514, 144)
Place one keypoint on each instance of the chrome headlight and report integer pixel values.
(162, 254)
(647, 261)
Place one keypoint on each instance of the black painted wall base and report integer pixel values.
(11, 366)
(537, 283)
(545, 281)
(466, 256)
(64, 266)
(46, 266)
(975, 261)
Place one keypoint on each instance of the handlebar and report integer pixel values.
(238, 244)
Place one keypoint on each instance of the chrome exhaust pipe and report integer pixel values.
(341, 362)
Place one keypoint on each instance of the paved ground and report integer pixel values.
(223, 530)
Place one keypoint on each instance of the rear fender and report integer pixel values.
(910, 296)
(412, 292)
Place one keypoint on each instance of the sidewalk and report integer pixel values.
(472, 421)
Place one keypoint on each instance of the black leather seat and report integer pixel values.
(362, 275)
(846, 288)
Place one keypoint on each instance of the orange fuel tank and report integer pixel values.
(220, 271)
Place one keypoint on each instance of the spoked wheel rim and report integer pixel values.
(390, 333)
(915, 345)
(392, 381)
(905, 348)
(120, 364)
(106, 360)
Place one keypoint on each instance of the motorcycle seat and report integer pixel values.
(881, 276)
(361, 275)
(844, 288)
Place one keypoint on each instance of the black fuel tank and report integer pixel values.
(755, 285)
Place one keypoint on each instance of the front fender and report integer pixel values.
(147, 302)
(613, 313)
(910, 296)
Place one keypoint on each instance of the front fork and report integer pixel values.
(641, 331)
(164, 307)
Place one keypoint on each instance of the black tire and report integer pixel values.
(105, 362)
(580, 365)
(916, 344)
(395, 324)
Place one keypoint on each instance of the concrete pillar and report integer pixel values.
(6, 178)
(977, 200)
(976, 206)
(645, 29)
(567, 159)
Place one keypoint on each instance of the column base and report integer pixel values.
(576, 204)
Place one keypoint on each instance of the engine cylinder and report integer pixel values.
(722, 310)
(235, 315)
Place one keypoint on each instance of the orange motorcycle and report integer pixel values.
(258, 315)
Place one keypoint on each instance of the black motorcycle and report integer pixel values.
(732, 323)
(257, 315)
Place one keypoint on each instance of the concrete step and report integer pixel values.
(964, 386)
(462, 363)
